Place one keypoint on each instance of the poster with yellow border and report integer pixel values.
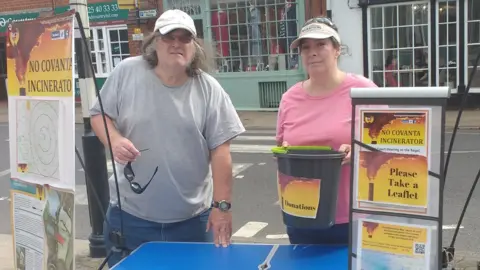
(396, 177)
(41, 100)
(41, 104)
(43, 226)
(392, 246)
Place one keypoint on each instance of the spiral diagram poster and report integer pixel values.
(41, 107)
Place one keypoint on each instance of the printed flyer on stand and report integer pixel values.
(392, 246)
(41, 103)
(395, 178)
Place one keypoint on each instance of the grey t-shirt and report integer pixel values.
(179, 126)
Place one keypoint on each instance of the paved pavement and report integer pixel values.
(257, 217)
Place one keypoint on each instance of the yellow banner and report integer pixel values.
(394, 128)
(299, 197)
(39, 57)
(393, 178)
(394, 239)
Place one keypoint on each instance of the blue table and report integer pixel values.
(199, 256)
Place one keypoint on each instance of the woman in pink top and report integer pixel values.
(318, 111)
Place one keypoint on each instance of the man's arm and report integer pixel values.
(99, 128)
(221, 161)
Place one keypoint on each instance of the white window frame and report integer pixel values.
(369, 36)
(453, 90)
(107, 48)
(107, 34)
(465, 56)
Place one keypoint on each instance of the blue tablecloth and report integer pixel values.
(162, 255)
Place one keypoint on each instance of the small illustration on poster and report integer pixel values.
(392, 246)
(402, 131)
(396, 176)
(299, 197)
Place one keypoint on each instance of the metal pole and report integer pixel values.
(93, 150)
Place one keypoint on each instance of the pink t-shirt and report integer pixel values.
(324, 120)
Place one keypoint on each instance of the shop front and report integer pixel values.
(416, 43)
(249, 40)
(109, 39)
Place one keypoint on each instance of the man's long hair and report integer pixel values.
(200, 61)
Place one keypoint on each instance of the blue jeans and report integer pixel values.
(137, 231)
(336, 235)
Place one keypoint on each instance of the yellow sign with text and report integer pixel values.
(393, 178)
(394, 239)
(394, 128)
(39, 58)
(299, 197)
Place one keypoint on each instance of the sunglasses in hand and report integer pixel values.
(130, 176)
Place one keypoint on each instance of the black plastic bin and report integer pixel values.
(308, 179)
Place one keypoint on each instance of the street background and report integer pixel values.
(257, 217)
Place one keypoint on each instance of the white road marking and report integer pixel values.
(250, 229)
(240, 167)
(5, 172)
(451, 227)
(255, 138)
(277, 236)
(239, 176)
(261, 164)
(260, 131)
(277, 202)
(4, 199)
(109, 167)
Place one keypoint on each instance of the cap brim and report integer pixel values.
(169, 28)
(296, 42)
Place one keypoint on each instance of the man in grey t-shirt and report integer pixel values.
(168, 119)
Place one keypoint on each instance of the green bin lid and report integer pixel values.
(285, 149)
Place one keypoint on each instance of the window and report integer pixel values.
(108, 46)
(447, 43)
(473, 39)
(98, 50)
(118, 45)
(253, 35)
(398, 45)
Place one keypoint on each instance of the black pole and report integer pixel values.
(94, 156)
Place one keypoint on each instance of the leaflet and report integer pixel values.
(392, 246)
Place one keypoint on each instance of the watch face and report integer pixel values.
(223, 206)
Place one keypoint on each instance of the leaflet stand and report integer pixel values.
(397, 177)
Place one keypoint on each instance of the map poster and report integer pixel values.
(299, 197)
(41, 100)
(43, 226)
(41, 104)
(395, 178)
(392, 246)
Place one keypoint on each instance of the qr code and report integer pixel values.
(419, 248)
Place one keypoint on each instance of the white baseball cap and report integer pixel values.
(175, 19)
(315, 31)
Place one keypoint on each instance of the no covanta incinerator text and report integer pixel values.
(50, 85)
(404, 137)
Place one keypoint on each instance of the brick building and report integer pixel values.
(250, 39)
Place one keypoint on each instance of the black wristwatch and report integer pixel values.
(224, 206)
